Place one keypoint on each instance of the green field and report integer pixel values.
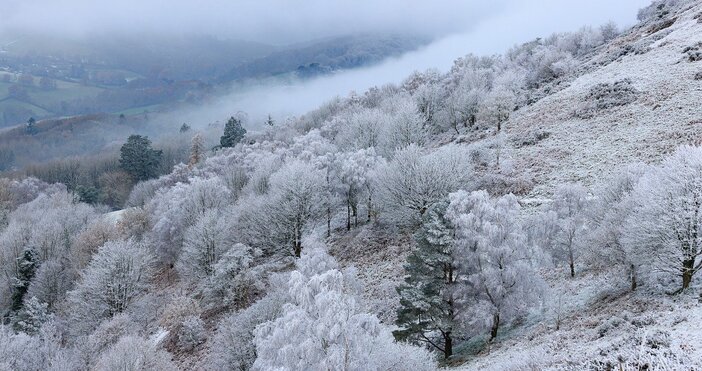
(66, 91)
(13, 105)
(44, 102)
(140, 110)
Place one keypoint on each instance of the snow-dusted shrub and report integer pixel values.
(235, 281)
(134, 223)
(177, 310)
(132, 353)
(191, 333)
(96, 234)
(232, 345)
(499, 184)
(694, 53)
(605, 96)
(531, 138)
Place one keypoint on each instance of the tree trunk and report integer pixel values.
(348, 215)
(495, 326)
(354, 212)
(572, 262)
(633, 277)
(572, 269)
(297, 240)
(328, 221)
(448, 345)
(370, 204)
(688, 269)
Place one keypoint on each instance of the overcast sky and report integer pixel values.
(271, 21)
(286, 21)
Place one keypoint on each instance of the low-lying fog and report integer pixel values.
(505, 29)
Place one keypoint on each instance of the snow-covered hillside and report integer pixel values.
(663, 114)
(536, 210)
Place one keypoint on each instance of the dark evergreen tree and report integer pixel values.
(87, 194)
(31, 126)
(233, 133)
(26, 267)
(138, 158)
(429, 296)
(269, 121)
(184, 128)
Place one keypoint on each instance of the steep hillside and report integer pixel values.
(587, 139)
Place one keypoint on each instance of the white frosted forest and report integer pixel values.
(540, 209)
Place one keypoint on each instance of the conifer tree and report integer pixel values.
(233, 133)
(26, 267)
(428, 299)
(138, 158)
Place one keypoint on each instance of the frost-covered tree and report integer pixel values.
(363, 129)
(323, 327)
(413, 181)
(197, 150)
(606, 214)
(464, 105)
(665, 224)
(119, 272)
(51, 282)
(498, 105)
(353, 171)
(430, 298)
(175, 209)
(495, 257)
(569, 203)
(276, 221)
(204, 243)
(404, 125)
